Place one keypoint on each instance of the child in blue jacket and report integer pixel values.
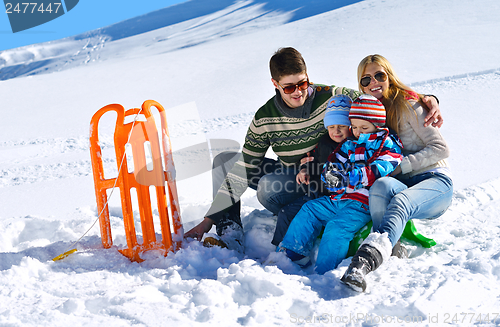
(336, 122)
(371, 152)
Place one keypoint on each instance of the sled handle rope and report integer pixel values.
(69, 252)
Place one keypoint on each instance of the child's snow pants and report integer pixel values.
(341, 218)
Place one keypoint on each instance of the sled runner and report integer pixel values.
(410, 233)
(136, 135)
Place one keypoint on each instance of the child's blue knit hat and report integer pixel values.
(337, 111)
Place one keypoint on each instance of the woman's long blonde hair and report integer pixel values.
(396, 97)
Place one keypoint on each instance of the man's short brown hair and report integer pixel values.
(286, 61)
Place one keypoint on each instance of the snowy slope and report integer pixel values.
(180, 26)
(211, 85)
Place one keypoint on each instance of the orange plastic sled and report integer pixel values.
(136, 134)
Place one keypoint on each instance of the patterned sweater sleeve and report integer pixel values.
(424, 146)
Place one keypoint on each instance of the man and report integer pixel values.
(291, 123)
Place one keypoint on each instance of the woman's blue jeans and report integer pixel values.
(393, 202)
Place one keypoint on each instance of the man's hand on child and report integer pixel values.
(302, 177)
(306, 159)
(434, 115)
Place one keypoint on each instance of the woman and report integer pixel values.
(422, 187)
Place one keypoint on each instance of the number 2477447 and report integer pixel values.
(32, 7)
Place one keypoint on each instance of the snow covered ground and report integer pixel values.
(209, 69)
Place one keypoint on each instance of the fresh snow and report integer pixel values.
(207, 64)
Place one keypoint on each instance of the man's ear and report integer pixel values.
(274, 83)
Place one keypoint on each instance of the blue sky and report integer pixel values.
(87, 15)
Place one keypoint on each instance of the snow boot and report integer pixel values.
(211, 241)
(234, 238)
(399, 250)
(230, 234)
(231, 239)
(376, 249)
(302, 261)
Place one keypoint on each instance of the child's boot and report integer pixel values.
(375, 249)
(399, 250)
(302, 261)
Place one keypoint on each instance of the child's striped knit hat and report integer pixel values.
(369, 108)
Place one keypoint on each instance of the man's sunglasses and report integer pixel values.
(291, 88)
(380, 76)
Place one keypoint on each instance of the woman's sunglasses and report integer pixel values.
(380, 76)
(291, 88)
